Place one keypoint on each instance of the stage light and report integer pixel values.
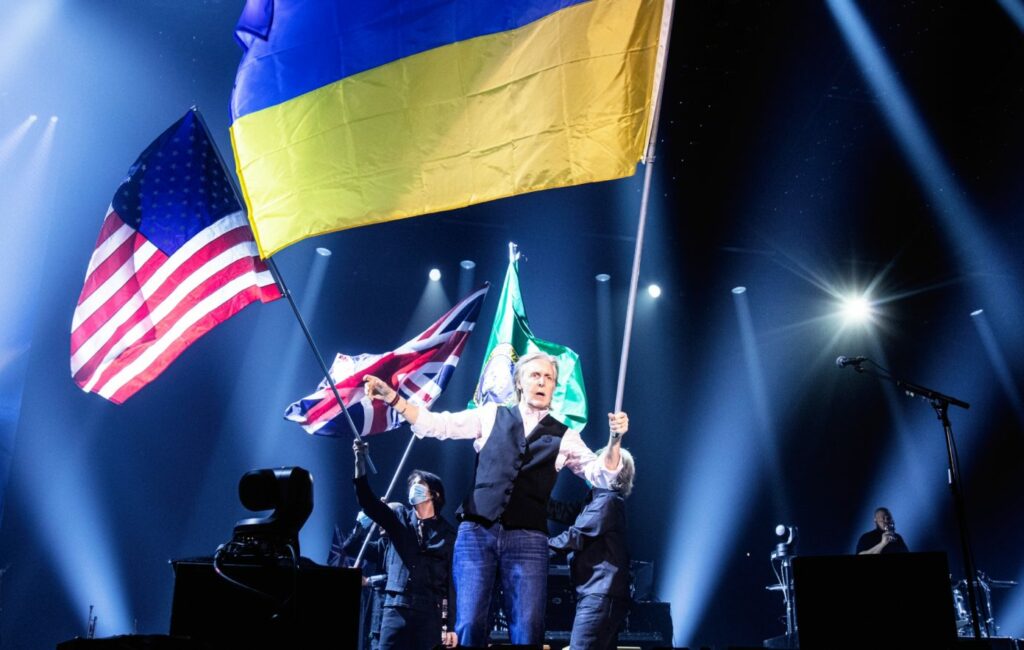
(654, 291)
(467, 264)
(434, 275)
(963, 226)
(977, 312)
(323, 252)
(13, 138)
(739, 290)
(53, 119)
(602, 277)
(855, 310)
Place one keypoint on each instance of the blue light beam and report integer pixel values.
(962, 225)
(765, 420)
(1015, 10)
(998, 361)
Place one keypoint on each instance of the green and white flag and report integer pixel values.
(512, 338)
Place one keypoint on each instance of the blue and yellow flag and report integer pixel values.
(348, 113)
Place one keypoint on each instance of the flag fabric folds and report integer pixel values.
(174, 258)
(511, 338)
(352, 113)
(419, 370)
(336, 556)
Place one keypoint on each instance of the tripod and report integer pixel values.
(783, 554)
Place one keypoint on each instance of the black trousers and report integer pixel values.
(403, 628)
(596, 626)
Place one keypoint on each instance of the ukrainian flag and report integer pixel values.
(353, 112)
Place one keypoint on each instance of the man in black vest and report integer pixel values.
(503, 534)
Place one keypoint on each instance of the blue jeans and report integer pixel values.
(519, 559)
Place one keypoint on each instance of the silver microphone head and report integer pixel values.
(780, 530)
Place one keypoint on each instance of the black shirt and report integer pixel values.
(417, 559)
(599, 562)
(872, 538)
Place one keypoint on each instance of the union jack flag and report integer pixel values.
(175, 257)
(419, 370)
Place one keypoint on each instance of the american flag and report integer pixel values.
(418, 370)
(175, 257)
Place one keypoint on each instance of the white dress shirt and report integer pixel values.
(476, 425)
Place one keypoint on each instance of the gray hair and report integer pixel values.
(517, 374)
(624, 481)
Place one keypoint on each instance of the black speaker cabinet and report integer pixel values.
(132, 642)
(901, 600)
(309, 606)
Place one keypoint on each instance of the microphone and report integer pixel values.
(843, 361)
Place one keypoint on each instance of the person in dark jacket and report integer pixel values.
(418, 597)
(599, 562)
(374, 578)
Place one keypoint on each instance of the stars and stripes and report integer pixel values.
(174, 258)
(419, 370)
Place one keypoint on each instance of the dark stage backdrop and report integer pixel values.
(784, 166)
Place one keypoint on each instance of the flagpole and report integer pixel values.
(648, 159)
(387, 495)
(279, 279)
(316, 352)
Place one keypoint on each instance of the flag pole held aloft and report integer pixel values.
(282, 286)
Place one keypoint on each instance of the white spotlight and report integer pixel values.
(53, 119)
(602, 277)
(856, 309)
(33, 118)
(977, 312)
(739, 290)
(467, 264)
(435, 275)
(653, 290)
(323, 252)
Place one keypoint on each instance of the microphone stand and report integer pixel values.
(941, 402)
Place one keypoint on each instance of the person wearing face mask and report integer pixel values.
(503, 531)
(419, 602)
(883, 538)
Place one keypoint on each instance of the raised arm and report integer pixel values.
(374, 508)
(377, 389)
(618, 425)
(599, 470)
(461, 425)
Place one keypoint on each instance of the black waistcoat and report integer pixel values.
(514, 475)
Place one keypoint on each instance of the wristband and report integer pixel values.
(394, 400)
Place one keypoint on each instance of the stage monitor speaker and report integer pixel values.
(899, 600)
(133, 642)
(309, 607)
